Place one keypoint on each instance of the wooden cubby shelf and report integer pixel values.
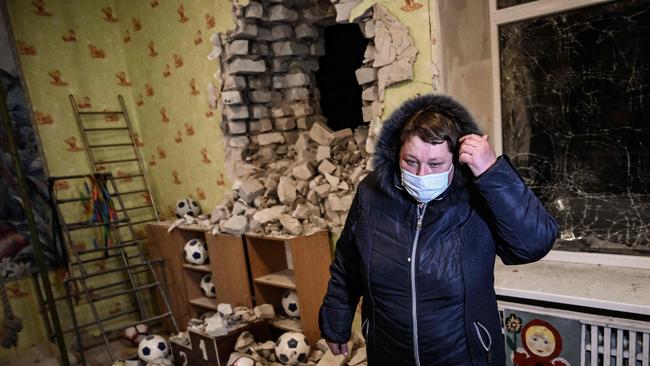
(284, 279)
(299, 263)
(227, 264)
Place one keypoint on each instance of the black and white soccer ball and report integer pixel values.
(136, 333)
(187, 206)
(207, 287)
(290, 304)
(152, 348)
(292, 348)
(195, 252)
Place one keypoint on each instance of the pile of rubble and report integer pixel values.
(299, 190)
(263, 352)
(292, 190)
(226, 319)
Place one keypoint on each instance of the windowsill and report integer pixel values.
(589, 285)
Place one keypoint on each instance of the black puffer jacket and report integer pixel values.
(381, 257)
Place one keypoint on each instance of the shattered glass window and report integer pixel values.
(575, 96)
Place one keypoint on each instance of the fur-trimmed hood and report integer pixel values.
(386, 156)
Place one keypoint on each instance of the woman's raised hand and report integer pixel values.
(475, 151)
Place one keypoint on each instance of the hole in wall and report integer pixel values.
(340, 93)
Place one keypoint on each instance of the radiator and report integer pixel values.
(604, 345)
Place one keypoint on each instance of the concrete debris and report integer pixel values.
(329, 359)
(291, 224)
(269, 214)
(249, 190)
(322, 134)
(287, 190)
(236, 225)
(264, 311)
(216, 326)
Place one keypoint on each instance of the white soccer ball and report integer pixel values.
(195, 252)
(207, 287)
(244, 361)
(292, 348)
(290, 304)
(152, 348)
(135, 333)
(187, 206)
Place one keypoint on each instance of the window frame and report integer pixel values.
(527, 11)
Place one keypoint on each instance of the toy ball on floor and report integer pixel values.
(207, 287)
(152, 348)
(292, 348)
(195, 252)
(244, 361)
(161, 362)
(187, 206)
(290, 304)
(135, 333)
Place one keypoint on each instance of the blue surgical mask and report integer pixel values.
(426, 187)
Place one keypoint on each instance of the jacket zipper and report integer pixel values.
(416, 350)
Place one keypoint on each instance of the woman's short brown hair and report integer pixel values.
(433, 128)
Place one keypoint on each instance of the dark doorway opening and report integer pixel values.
(340, 94)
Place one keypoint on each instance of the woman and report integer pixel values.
(420, 241)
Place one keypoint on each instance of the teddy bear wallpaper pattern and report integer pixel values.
(151, 52)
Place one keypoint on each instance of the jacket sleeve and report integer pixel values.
(525, 230)
(345, 285)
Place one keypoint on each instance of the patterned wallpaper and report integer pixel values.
(151, 52)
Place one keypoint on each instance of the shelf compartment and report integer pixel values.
(196, 267)
(205, 303)
(292, 325)
(284, 279)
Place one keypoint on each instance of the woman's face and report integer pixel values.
(422, 158)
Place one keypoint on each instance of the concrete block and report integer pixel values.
(238, 141)
(306, 31)
(302, 109)
(259, 96)
(303, 171)
(290, 224)
(281, 32)
(285, 123)
(295, 94)
(235, 225)
(322, 134)
(265, 125)
(326, 167)
(236, 48)
(281, 111)
(259, 82)
(245, 66)
(259, 111)
(231, 97)
(287, 191)
(279, 13)
(323, 152)
(244, 30)
(270, 138)
(234, 82)
(235, 112)
(254, 10)
(237, 128)
(279, 65)
(250, 189)
(366, 75)
(289, 48)
(369, 94)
